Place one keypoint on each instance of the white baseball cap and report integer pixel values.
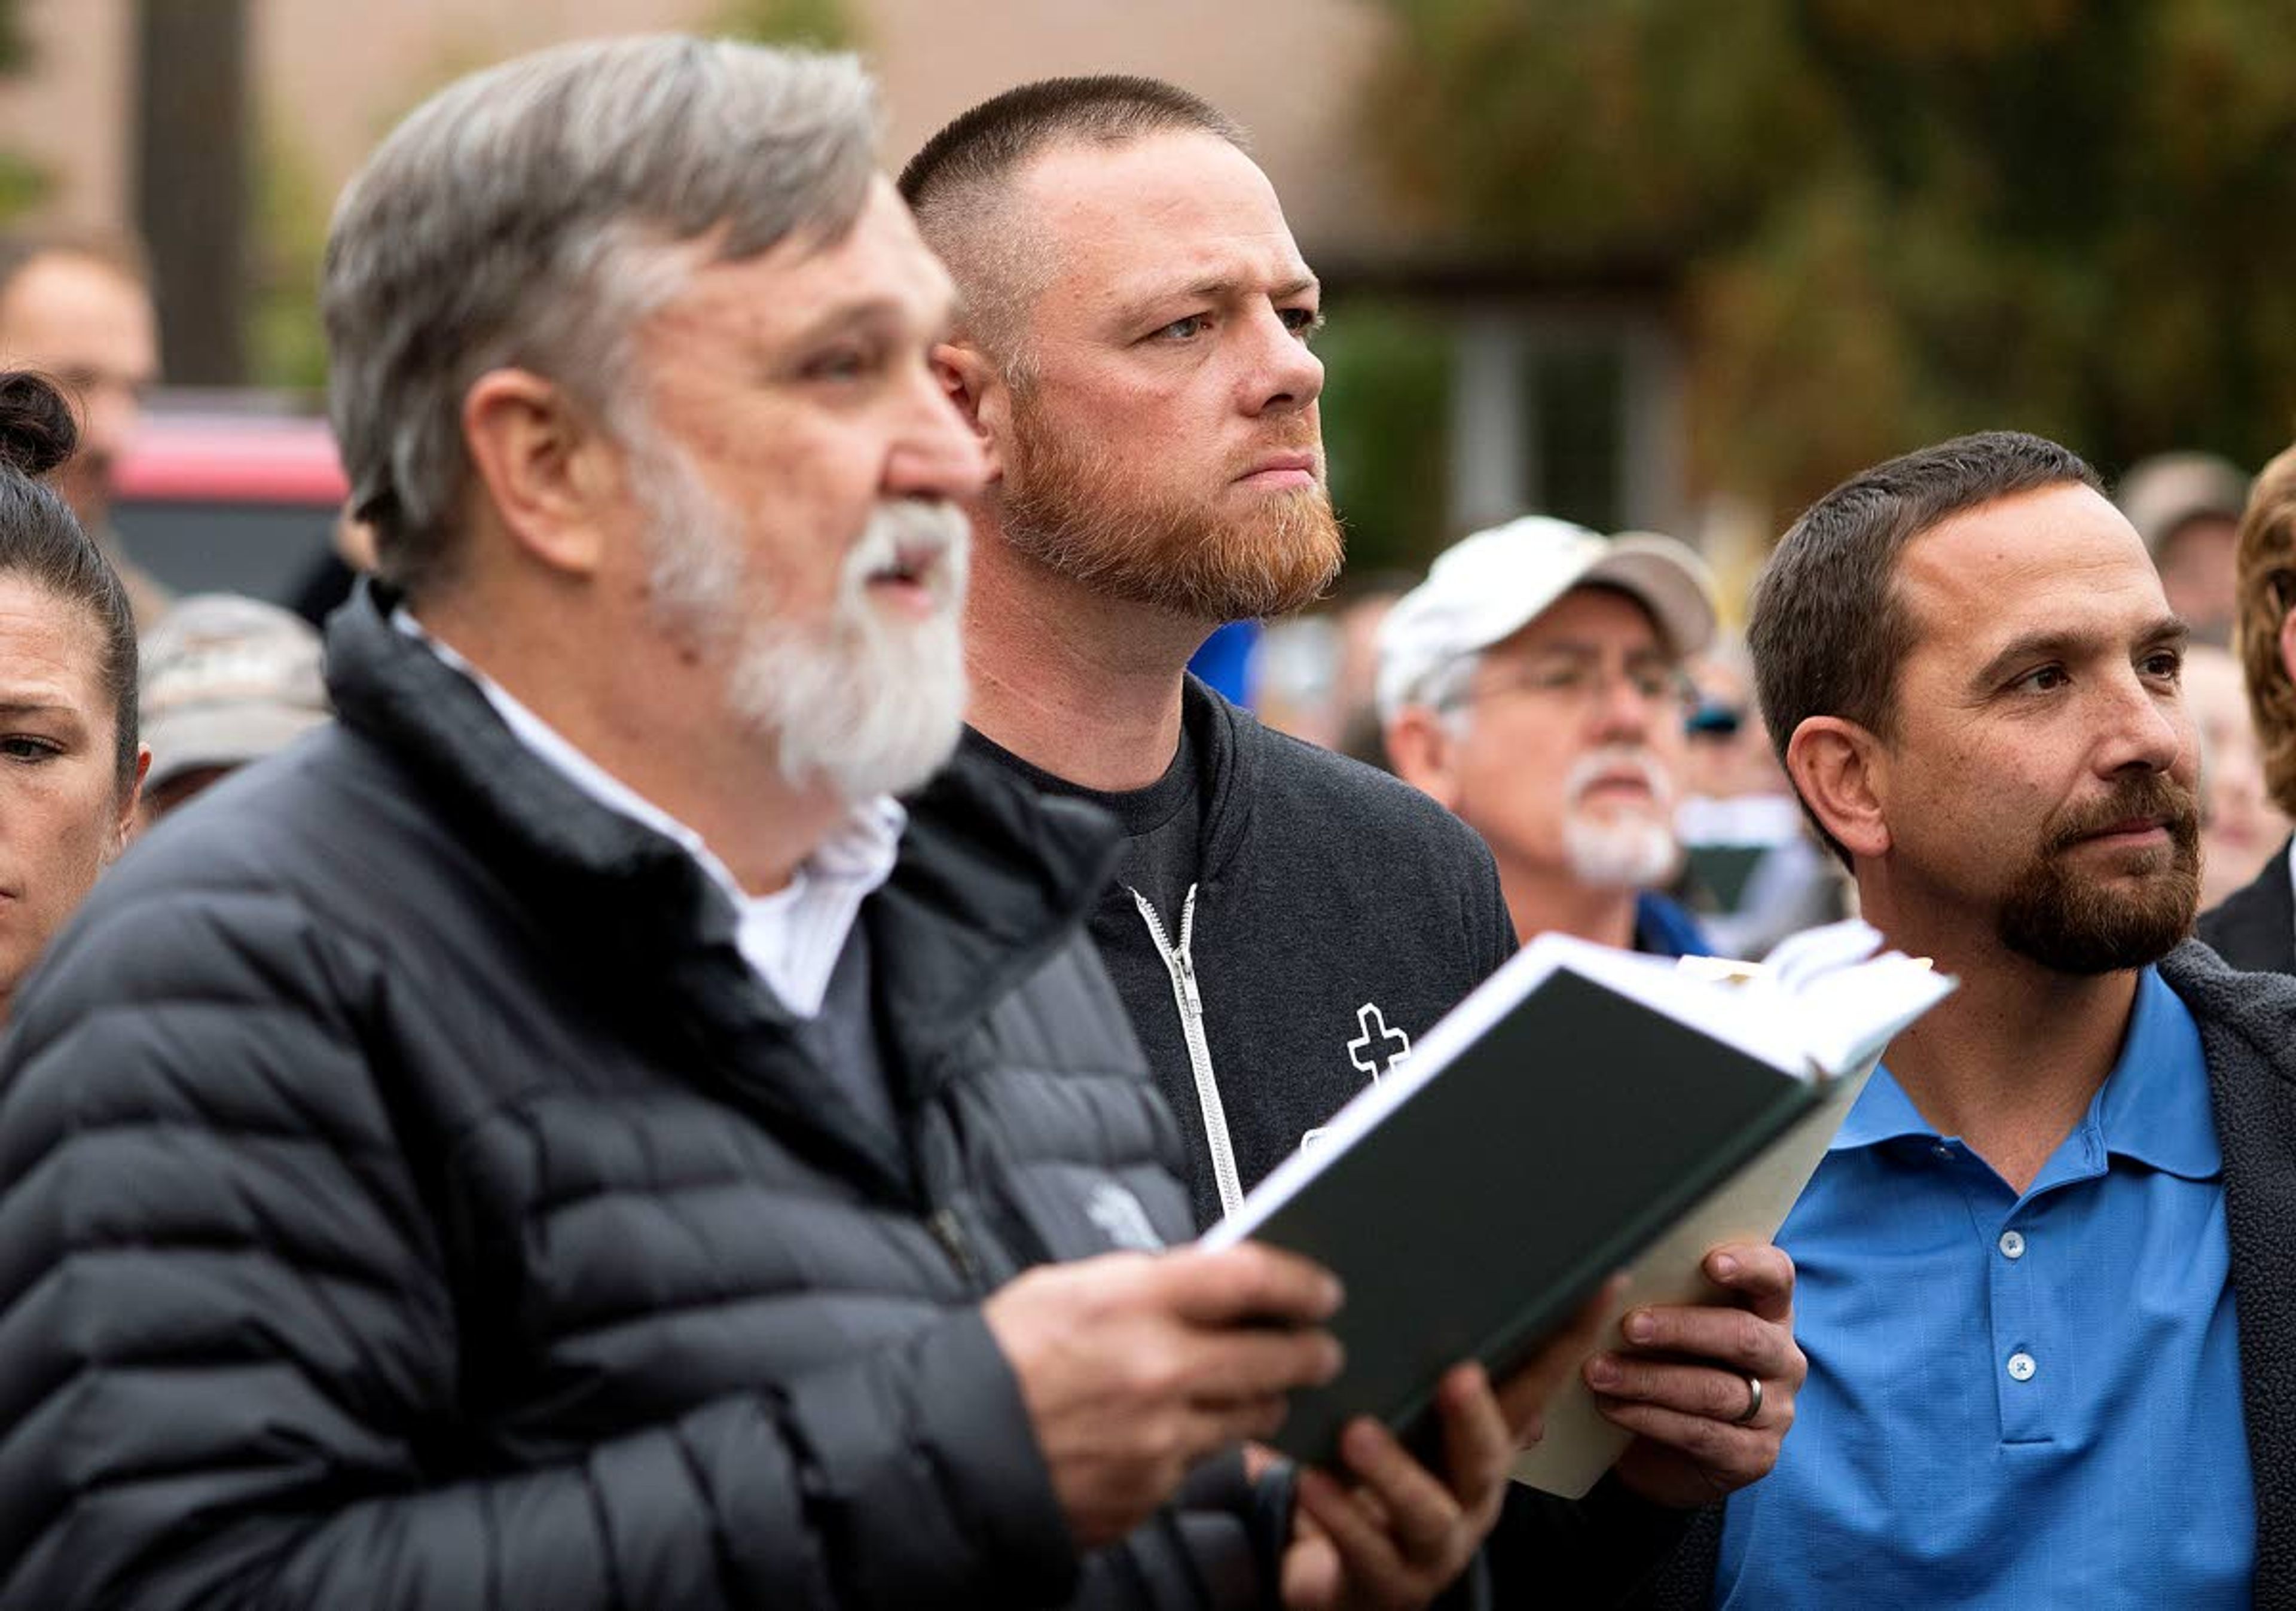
(1487, 587)
(227, 680)
(2162, 494)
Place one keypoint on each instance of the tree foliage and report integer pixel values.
(823, 24)
(1387, 375)
(23, 182)
(1889, 222)
(287, 349)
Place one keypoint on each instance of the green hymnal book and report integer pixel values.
(1560, 1121)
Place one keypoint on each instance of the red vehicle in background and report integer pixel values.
(221, 495)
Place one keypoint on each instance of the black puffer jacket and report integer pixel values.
(408, 1198)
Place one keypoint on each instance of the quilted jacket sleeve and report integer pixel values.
(229, 1356)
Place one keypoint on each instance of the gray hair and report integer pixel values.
(531, 216)
(1445, 689)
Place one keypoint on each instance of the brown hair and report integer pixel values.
(1826, 629)
(2265, 563)
(42, 542)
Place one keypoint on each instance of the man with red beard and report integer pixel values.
(1283, 923)
(1533, 684)
(2030, 1382)
(565, 1136)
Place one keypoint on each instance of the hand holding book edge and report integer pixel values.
(1681, 1383)
(1394, 1533)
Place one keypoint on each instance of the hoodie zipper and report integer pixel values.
(1181, 963)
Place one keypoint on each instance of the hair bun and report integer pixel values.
(36, 433)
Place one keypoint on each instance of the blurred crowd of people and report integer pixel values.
(1740, 857)
(680, 1061)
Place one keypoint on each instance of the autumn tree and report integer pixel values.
(1883, 222)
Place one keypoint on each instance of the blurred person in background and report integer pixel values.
(2254, 925)
(227, 680)
(1756, 869)
(2241, 829)
(568, 1137)
(2186, 507)
(328, 580)
(69, 759)
(1533, 684)
(1134, 353)
(2049, 1261)
(1732, 791)
(76, 307)
(1318, 669)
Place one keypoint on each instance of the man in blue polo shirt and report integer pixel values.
(2030, 1382)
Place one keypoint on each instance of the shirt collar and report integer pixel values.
(863, 847)
(1882, 1113)
(2153, 1106)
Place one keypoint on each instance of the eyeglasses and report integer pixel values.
(1584, 680)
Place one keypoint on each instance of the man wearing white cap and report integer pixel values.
(1534, 684)
(2187, 507)
(225, 680)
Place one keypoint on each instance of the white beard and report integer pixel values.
(865, 703)
(1626, 849)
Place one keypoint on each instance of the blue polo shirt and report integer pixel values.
(2014, 1402)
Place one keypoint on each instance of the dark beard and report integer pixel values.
(1072, 511)
(2063, 920)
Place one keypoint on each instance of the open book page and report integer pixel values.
(1844, 1004)
(1848, 1003)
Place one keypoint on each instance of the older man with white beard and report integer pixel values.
(566, 1136)
(1534, 684)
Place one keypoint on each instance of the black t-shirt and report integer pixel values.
(1163, 823)
(1339, 914)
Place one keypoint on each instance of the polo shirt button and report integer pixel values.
(2012, 1246)
(2022, 1367)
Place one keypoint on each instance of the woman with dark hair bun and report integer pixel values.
(70, 759)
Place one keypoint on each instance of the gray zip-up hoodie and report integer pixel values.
(1336, 915)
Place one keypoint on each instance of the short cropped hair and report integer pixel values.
(532, 215)
(959, 182)
(2265, 564)
(1826, 629)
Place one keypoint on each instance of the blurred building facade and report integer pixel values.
(1559, 397)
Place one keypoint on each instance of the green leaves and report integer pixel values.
(1886, 223)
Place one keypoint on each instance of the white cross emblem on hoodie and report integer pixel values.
(1379, 1051)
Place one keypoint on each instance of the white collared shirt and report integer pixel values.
(791, 938)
